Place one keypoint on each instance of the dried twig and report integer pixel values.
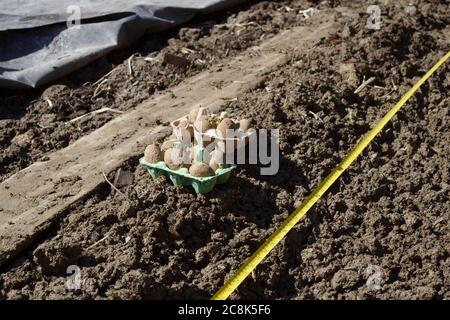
(187, 50)
(228, 99)
(105, 109)
(394, 86)
(252, 23)
(199, 62)
(308, 12)
(99, 89)
(151, 59)
(50, 103)
(104, 77)
(130, 67)
(364, 84)
(315, 116)
(96, 243)
(303, 115)
(239, 25)
(113, 186)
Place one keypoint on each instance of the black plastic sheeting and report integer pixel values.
(37, 45)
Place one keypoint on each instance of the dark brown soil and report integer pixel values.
(389, 211)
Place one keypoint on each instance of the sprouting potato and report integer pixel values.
(167, 145)
(244, 124)
(214, 165)
(152, 153)
(199, 169)
(183, 123)
(193, 114)
(217, 159)
(224, 125)
(202, 124)
(173, 158)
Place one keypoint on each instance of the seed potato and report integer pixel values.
(152, 153)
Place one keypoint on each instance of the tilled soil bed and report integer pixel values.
(387, 216)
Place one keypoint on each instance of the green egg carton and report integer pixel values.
(182, 176)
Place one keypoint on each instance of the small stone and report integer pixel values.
(23, 139)
(344, 279)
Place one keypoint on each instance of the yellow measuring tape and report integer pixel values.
(300, 212)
